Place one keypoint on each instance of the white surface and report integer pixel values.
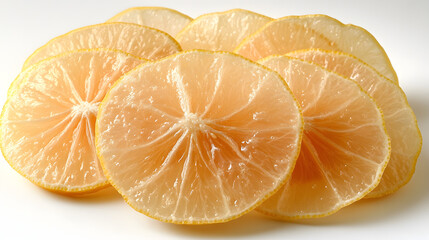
(27, 211)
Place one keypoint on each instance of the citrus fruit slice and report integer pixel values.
(47, 124)
(221, 30)
(164, 19)
(345, 147)
(135, 39)
(198, 137)
(301, 32)
(401, 123)
(18, 80)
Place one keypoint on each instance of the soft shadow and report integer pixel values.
(252, 223)
(107, 194)
(409, 198)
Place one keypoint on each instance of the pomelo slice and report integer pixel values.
(164, 19)
(316, 31)
(131, 38)
(401, 123)
(220, 31)
(198, 137)
(345, 147)
(47, 124)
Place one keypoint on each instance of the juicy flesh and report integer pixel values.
(344, 148)
(317, 31)
(48, 122)
(137, 40)
(280, 37)
(221, 31)
(401, 124)
(164, 19)
(204, 137)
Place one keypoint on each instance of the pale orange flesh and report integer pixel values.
(198, 137)
(401, 123)
(164, 19)
(316, 31)
(345, 147)
(135, 39)
(47, 124)
(14, 86)
(280, 37)
(221, 31)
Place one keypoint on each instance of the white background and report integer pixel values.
(26, 211)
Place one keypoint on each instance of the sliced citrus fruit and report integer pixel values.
(401, 123)
(198, 137)
(345, 147)
(135, 39)
(221, 30)
(164, 19)
(316, 31)
(18, 80)
(47, 124)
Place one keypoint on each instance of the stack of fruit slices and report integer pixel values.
(297, 117)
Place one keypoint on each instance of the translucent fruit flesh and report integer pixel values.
(345, 147)
(221, 31)
(198, 137)
(164, 19)
(135, 39)
(401, 123)
(280, 37)
(316, 31)
(47, 124)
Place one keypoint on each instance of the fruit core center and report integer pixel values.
(193, 122)
(85, 108)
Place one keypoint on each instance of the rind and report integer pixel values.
(360, 196)
(107, 174)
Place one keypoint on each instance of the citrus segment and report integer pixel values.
(47, 124)
(220, 31)
(164, 19)
(344, 149)
(198, 137)
(401, 123)
(301, 32)
(135, 39)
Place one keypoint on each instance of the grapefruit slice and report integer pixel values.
(15, 84)
(47, 124)
(164, 19)
(198, 137)
(135, 39)
(401, 123)
(301, 32)
(220, 31)
(345, 147)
